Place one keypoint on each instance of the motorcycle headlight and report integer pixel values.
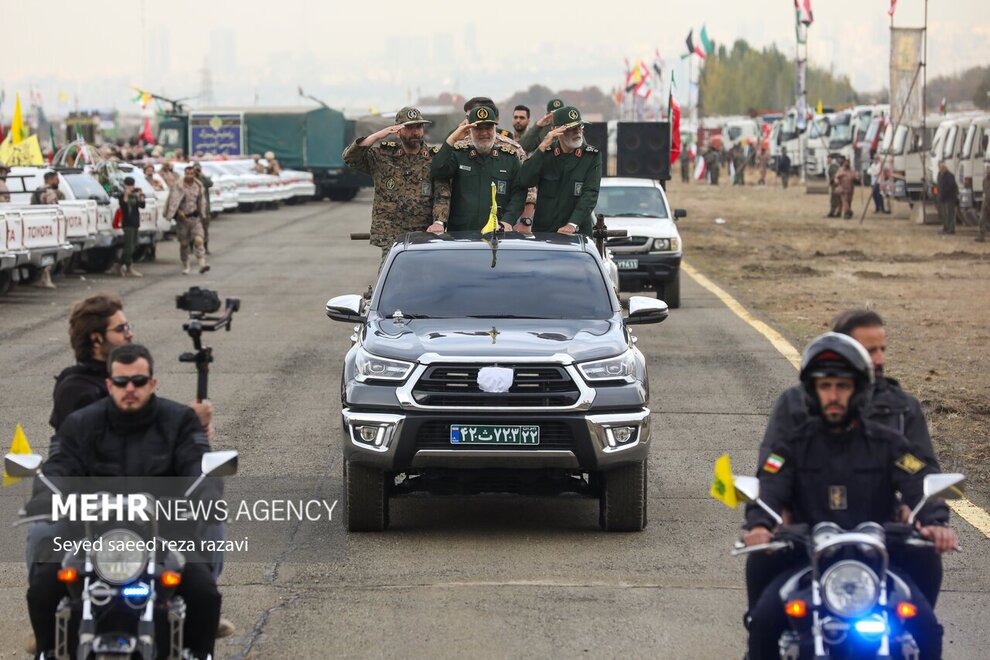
(372, 367)
(622, 367)
(121, 557)
(850, 588)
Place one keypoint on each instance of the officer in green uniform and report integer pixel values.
(568, 172)
(472, 166)
(538, 130)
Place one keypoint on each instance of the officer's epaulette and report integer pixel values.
(590, 149)
(507, 148)
(389, 143)
(435, 149)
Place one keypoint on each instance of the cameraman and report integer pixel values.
(131, 201)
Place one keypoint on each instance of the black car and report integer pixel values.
(494, 366)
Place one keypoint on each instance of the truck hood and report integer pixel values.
(580, 339)
(650, 227)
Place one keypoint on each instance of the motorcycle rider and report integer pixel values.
(890, 406)
(115, 437)
(841, 467)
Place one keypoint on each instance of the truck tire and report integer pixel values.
(6, 282)
(622, 503)
(671, 291)
(96, 260)
(342, 194)
(365, 498)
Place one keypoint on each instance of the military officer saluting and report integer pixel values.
(568, 172)
(538, 130)
(406, 196)
(472, 167)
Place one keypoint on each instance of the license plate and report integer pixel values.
(470, 434)
(627, 264)
(48, 260)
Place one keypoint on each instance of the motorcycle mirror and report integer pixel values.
(220, 463)
(747, 488)
(22, 465)
(936, 485)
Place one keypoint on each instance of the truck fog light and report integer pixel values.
(620, 435)
(370, 434)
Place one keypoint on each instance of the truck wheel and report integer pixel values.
(6, 282)
(365, 498)
(96, 260)
(671, 291)
(622, 503)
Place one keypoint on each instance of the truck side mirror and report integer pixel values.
(345, 308)
(644, 310)
(680, 213)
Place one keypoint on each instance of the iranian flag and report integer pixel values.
(700, 169)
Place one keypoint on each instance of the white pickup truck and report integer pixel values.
(36, 236)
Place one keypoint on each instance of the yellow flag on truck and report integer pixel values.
(722, 488)
(492, 224)
(27, 153)
(18, 446)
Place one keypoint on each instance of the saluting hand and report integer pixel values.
(462, 131)
(545, 120)
(550, 137)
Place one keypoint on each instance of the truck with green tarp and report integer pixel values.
(310, 138)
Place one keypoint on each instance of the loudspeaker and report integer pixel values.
(643, 149)
(596, 134)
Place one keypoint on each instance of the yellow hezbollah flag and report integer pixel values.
(722, 488)
(18, 446)
(819, 108)
(17, 130)
(492, 224)
(25, 154)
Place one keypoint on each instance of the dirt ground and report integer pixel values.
(781, 257)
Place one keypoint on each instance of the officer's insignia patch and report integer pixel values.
(482, 113)
(909, 463)
(837, 498)
(573, 114)
(390, 183)
(466, 168)
(773, 463)
(556, 104)
(390, 144)
(412, 114)
(471, 154)
(577, 152)
(501, 187)
(425, 188)
(435, 150)
(556, 152)
(577, 188)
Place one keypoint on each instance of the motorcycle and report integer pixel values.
(847, 603)
(122, 580)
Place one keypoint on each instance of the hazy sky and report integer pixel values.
(377, 54)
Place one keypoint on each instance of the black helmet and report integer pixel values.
(834, 354)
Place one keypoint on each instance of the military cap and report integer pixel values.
(410, 116)
(472, 103)
(567, 117)
(554, 104)
(483, 114)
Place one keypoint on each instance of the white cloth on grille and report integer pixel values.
(495, 380)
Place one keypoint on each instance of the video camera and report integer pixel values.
(200, 303)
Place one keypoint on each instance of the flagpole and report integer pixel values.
(924, 114)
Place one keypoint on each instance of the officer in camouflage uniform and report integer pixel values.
(568, 171)
(537, 131)
(47, 193)
(406, 196)
(473, 165)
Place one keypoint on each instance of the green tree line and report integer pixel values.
(743, 80)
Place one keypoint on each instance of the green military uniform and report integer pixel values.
(471, 174)
(406, 196)
(534, 135)
(568, 182)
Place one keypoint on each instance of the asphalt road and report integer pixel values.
(475, 577)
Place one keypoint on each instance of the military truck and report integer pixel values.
(310, 138)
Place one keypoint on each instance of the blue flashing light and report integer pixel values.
(871, 627)
(136, 590)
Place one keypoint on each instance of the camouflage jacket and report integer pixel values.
(4, 192)
(516, 149)
(406, 198)
(46, 195)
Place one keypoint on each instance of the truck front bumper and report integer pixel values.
(399, 442)
(651, 269)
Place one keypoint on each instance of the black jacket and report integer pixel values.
(77, 387)
(846, 478)
(165, 439)
(948, 190)
(891, 407)
(130, 206)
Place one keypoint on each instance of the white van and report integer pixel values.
(971, 166)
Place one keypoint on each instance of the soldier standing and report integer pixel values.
(784, 168)
(186, 204)
(406, 196)
(762, 161)
(207, 183)
(47, 193)
(536, 132)
(520, 122)
(568, 171)
(948, 198)
(834, 201)
(474, 166)
(845, 180)
(4, 192)
(712, 164)
(685, 159)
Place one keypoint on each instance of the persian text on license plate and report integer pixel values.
(627, 264)
(470, 434)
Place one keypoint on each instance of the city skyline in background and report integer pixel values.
(400, 54)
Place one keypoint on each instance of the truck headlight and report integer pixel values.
(619, 368)
(372, 367)
(666, 244)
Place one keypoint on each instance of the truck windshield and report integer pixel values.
(971, 134)
(631, 201)
(504, 283)
(85, 186)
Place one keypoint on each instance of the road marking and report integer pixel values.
(964, 508)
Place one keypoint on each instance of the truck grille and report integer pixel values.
(553, 435)
(533, 385)
(628, 241)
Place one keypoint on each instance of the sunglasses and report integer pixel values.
(122, 381)
(122, 328)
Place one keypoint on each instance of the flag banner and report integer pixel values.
(706, 43)
(689, 42)
(492, 224)
(803, 10)
(801, 93)
(674, 117)
(722, 488)
(700, 168)
(905, 58)
(18, 131)
(26, 153)
(893, 6)
(19, 445)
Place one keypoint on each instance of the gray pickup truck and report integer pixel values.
(481, 366)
